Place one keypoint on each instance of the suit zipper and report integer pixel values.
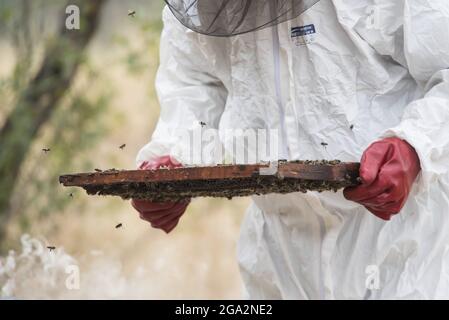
(284, 154)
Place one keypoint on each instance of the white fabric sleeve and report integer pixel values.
(188, 91)
(425, 123)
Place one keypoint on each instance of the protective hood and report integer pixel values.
(225, 18)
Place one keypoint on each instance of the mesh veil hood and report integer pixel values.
(225, 18)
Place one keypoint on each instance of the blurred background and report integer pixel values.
(68, 101)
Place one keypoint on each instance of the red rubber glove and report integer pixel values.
(388, 169)
(165, 215)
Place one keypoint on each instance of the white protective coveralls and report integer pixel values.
(371, 69)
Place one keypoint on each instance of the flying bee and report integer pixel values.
(71, 195)
(98, 170)
(351, 127)
(46, 150)
(118, 226)
(131, 13)
(324, 144)
(123, 146)
(202, 124)
(51, 248)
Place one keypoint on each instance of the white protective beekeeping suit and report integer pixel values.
(367, 69)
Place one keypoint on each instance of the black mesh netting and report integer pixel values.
(232, 17)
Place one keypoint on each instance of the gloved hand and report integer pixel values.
(166, 215)
(388, 169)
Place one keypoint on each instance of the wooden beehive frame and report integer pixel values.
(217, 181)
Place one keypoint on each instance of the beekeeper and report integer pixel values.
(368, 80)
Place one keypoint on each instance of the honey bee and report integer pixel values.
(131, 13)
(118, 226)
(123, 146)
(51, 248)
(98, 170)
(46, 150)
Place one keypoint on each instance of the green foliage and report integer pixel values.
(74, 129)
(82, 119)
(137, 57)
(70, 125)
